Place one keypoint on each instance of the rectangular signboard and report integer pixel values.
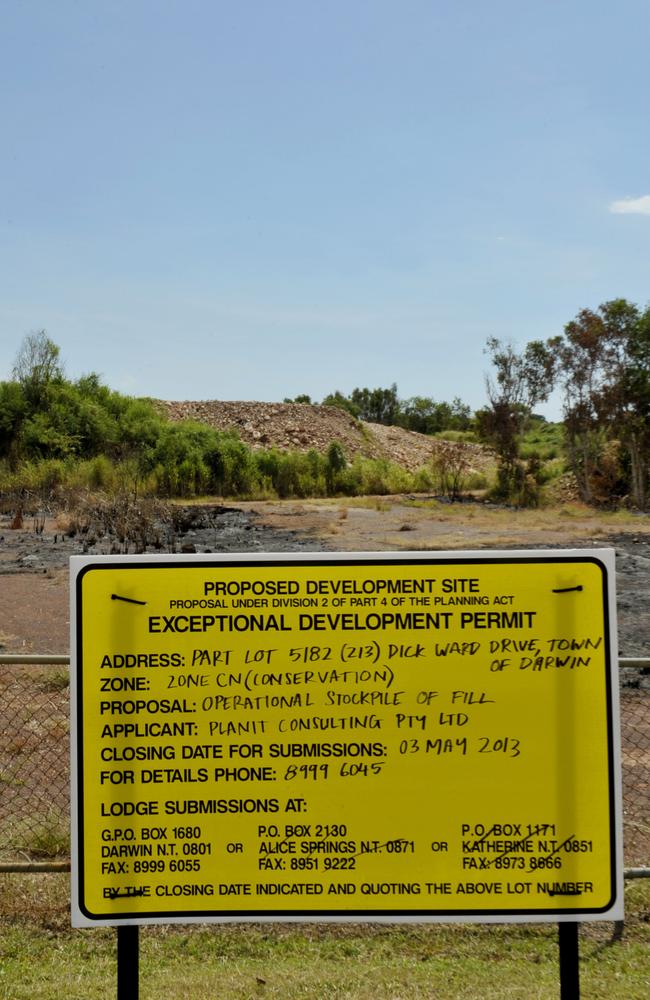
(431, 737)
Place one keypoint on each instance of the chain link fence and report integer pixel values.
(35, 761)
(635, 760)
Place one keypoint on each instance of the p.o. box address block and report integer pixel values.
(431, 737)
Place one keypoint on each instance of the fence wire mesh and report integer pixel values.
(635, 765)
(35, 763)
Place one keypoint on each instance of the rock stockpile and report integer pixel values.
(301, 426)
(287, 426)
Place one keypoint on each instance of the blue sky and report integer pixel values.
(210, 200)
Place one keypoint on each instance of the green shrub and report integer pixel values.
(93, 474)
(268, 465)
(450, 435)
(519, 484)
(234, 470)
(543, 439)
(423, 480)
(477, 481)
(291, 479)
(81, 437)
(13, 407)
(335, 463)
(348, 482)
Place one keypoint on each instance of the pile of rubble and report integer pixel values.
(287, 426)
(301, 426)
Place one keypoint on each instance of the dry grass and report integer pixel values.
(44, 958)
(412, 523)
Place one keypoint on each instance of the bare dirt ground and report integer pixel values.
(409, 524)
(34, 602)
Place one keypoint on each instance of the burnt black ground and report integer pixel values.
(204, 529)
(215, 529)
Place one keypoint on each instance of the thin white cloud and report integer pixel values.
(631, 206)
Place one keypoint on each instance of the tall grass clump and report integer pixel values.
(94, 474)
(234, 467)
(293, 474)
(45, 835)
(467, 436)
(372, 476)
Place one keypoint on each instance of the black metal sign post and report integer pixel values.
(128, 959)
(569, 961)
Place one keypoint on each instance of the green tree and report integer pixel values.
(421, 414)
(521, 381)
(335, 464)
(424, 415)
(603, 364)
(378, 406)
(37, 366)
(342, 402)
(635, 422)
(13, 408)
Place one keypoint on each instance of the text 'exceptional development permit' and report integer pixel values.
(362, 737)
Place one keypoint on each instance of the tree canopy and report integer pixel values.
(603, 368)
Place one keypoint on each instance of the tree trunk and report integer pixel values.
(638, 472)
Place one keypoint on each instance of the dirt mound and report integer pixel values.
(288, 426)
(301, 426)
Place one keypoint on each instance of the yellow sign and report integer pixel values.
(431, 737)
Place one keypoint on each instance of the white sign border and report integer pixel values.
(615, 912)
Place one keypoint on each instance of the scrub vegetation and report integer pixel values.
(60, 437)
(599, 365)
